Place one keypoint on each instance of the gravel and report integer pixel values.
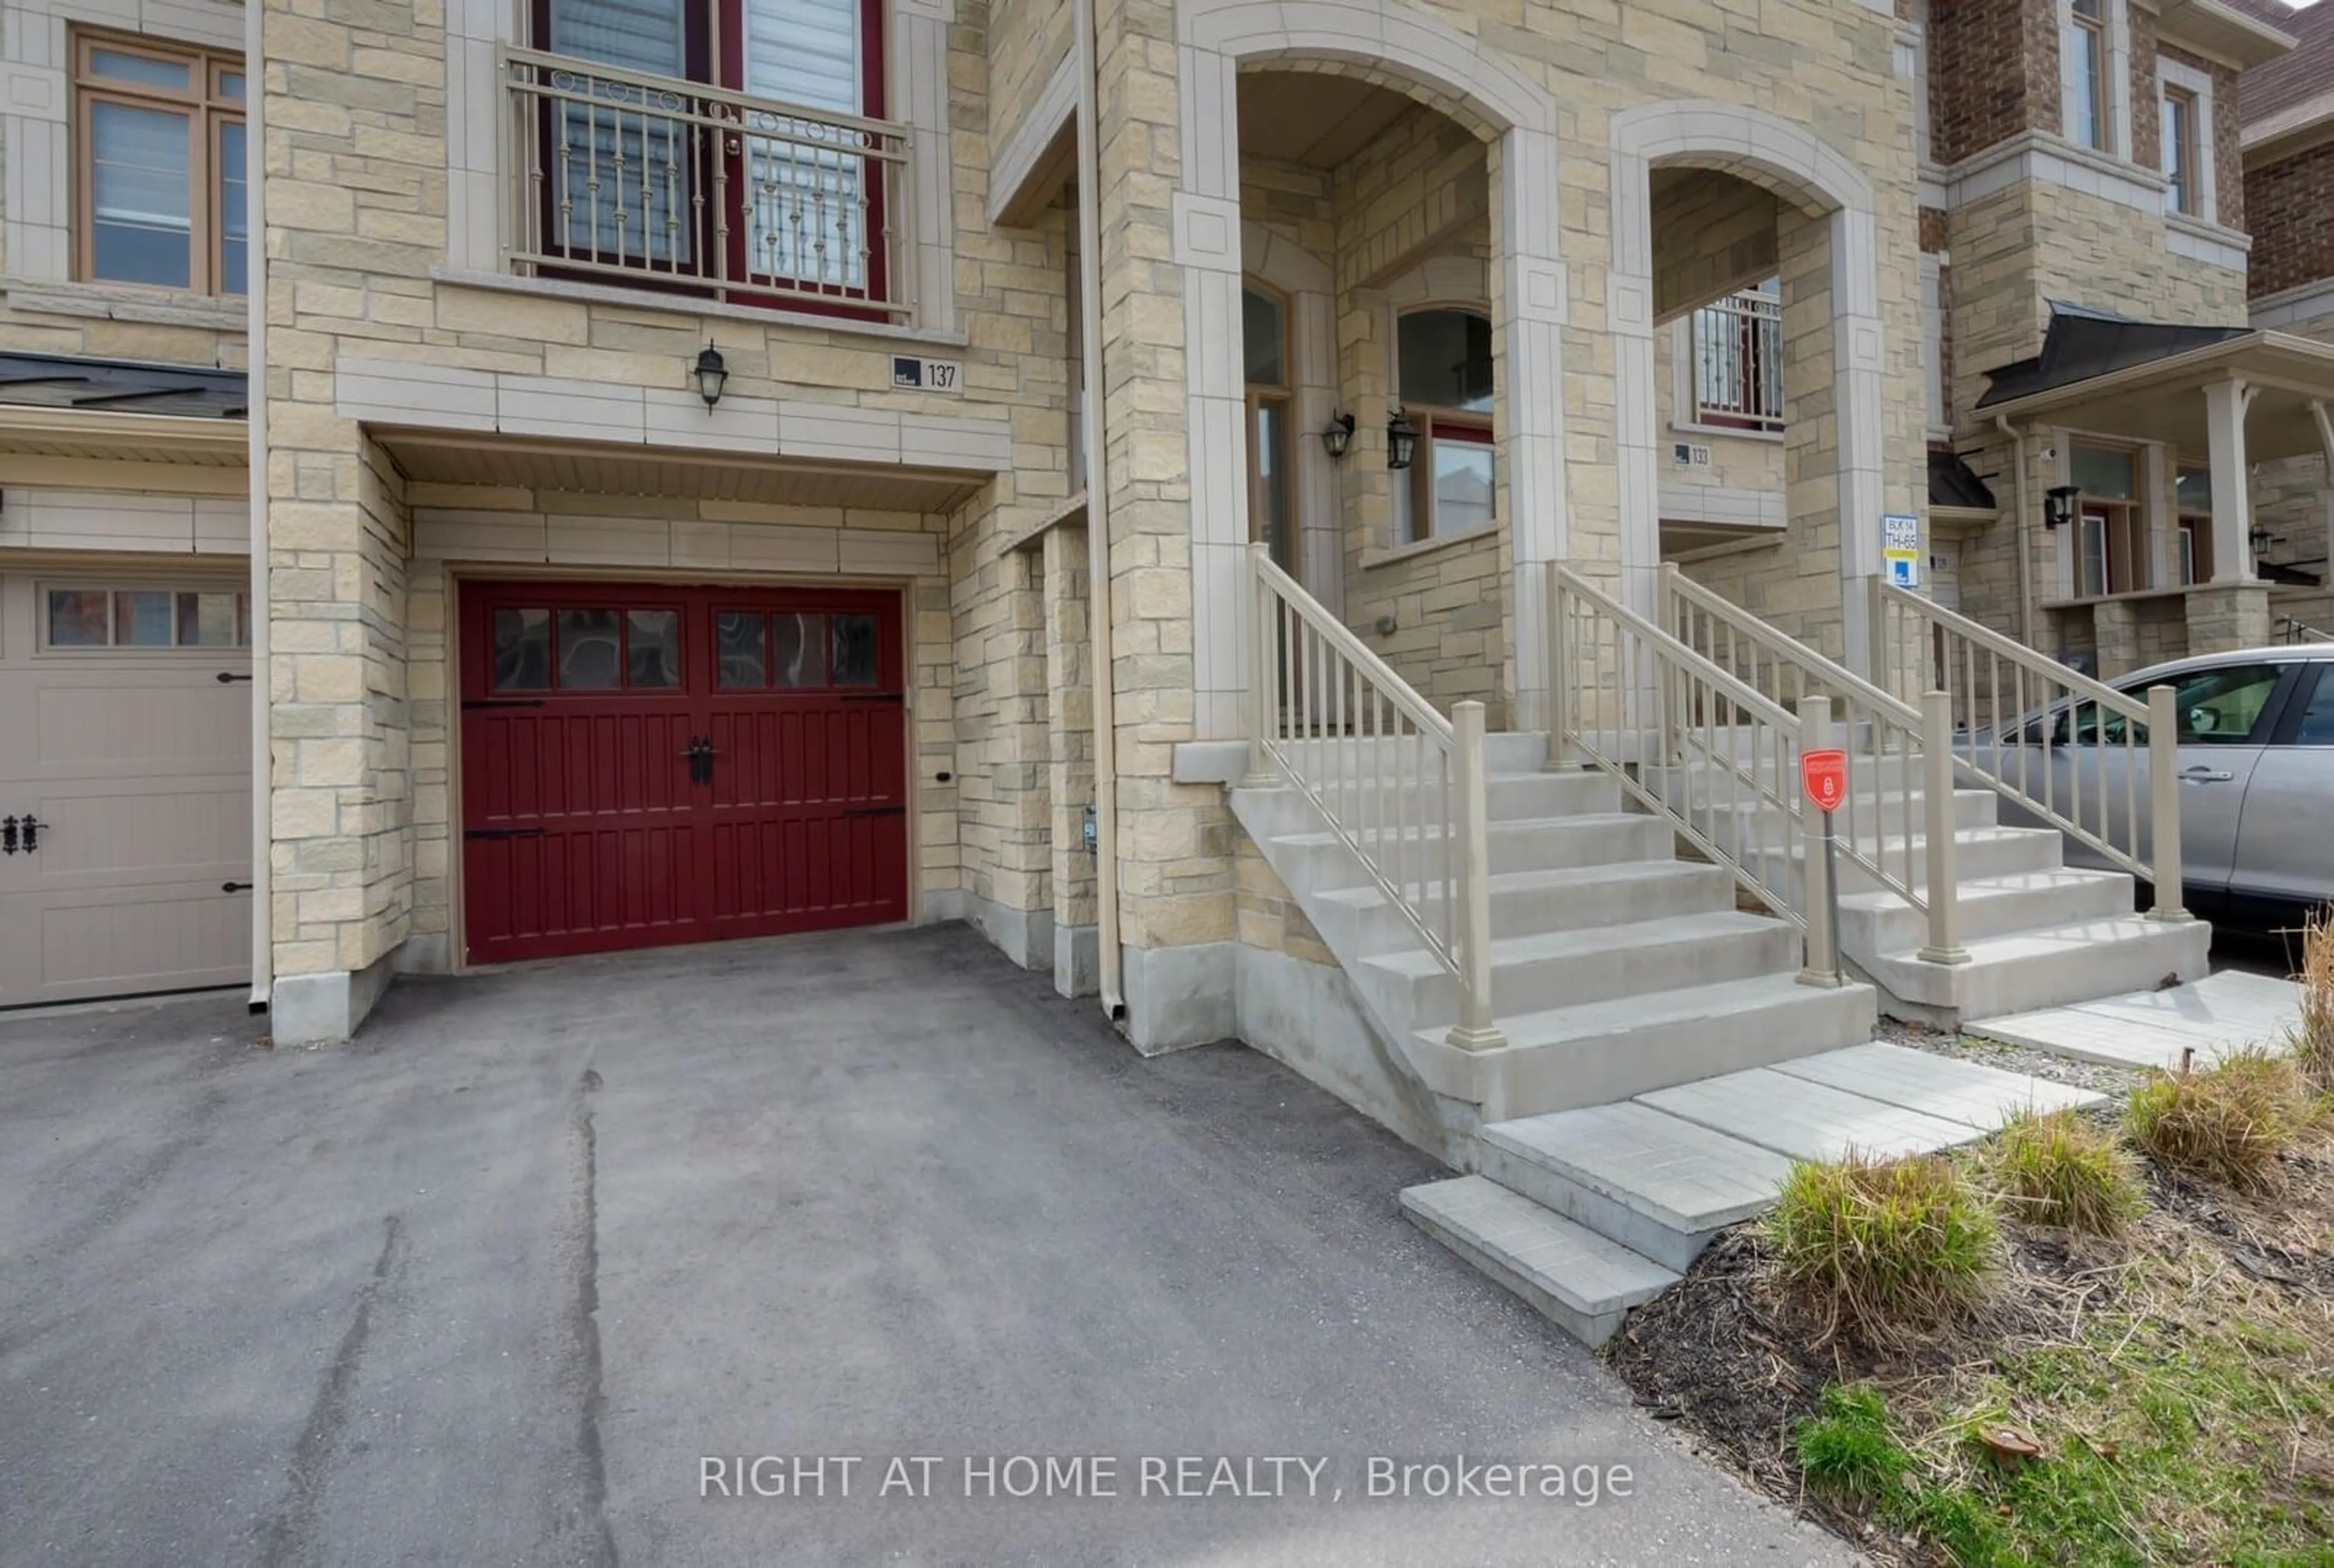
(2097, 1076)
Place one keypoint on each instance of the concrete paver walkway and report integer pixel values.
(2214, 1015)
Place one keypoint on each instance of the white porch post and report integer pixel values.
(1629, 322)
(2325, 419)
(1858, 363)
(1536, 300)
(2225, 403)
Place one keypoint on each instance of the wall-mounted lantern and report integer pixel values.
(2059, 505)
(711, 373)
(1339, 435)
(1401, 441)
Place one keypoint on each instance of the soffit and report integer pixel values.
(1311, 117)
(619, 471)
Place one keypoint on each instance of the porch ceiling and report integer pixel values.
(1311, 117)
(584, 469)
(111, 436)
(2163, 399)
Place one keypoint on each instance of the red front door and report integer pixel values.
(645, 765)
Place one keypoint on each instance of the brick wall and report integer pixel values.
(2291, 202)
(1993, 72)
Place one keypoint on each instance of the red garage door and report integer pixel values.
(644, 765)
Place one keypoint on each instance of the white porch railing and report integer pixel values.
(1902, 840)
(1400, 786)
(1638, 704)
(2296, 630)
(2083, 736)
(618, 176)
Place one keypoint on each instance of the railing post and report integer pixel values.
(1666, 617)
(1470, 814)
(1938, 819)
(1815, 878)
(1263, 666)
(2164, 805)
(1877, 630)
(1559, 671)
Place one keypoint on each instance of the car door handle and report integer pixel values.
(2205, 776)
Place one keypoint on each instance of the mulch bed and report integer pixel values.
(1737, 1362)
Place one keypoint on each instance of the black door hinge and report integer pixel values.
(877, 811)
(873, 695)
(228, 677)
(502, 832)
(234, 887)
(469, 703)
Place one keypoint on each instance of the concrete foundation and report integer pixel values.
(324, 1009)
(1179, 996)
(1024, 936)
(1077, 960)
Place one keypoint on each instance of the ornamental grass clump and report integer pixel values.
(2313, 1040)
(2227, 1123)
(2065, 1170)
(1880, 1245)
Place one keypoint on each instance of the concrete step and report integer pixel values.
(2211, 1017)
(1504, 751)
(2044, 967)
(1882, 1100)
(1881, 922)
(1972, 808)
(1978, 853)
(1583, 1281)
(1367, 798)
(1658, 1185)
(1531, 845)
(1524, 903)
(1595, 1052)
(1599, 963)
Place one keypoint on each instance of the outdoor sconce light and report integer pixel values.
(2260, 539)
(1339, 435)
(1401, 441)
(711, 373)
(2059, 505)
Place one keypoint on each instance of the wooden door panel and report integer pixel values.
(586, 828)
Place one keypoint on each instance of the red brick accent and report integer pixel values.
(1993, 72)
(2292, 205)
(1933, 228)
(2147, 115)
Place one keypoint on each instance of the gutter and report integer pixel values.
(263, 770)
(1099, 651)
(2025, 531)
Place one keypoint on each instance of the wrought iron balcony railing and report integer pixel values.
(617, 175)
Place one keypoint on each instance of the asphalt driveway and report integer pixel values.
(493, 1284)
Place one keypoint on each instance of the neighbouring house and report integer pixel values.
(513, 481)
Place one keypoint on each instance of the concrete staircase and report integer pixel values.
(1616, 968)
(1586, 1212)
(2038, 933)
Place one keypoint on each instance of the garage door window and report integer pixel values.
(788, 650)
(147, 618)
(586, 650)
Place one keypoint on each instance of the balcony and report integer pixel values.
(1738, 362)
(656, 183)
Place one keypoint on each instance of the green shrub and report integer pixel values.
(2066, 1170)
(2226, 1123)
(1885, 1243)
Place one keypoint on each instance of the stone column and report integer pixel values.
(2225, 403)
(1533, 300)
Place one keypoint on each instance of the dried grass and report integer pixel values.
(2065, 1170)
(1887, 1245)
(2230, 1123)
(2313, 1041)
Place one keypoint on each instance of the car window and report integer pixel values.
(2317, 727)
(2221, 707)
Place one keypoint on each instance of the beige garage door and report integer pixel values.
(129, 758)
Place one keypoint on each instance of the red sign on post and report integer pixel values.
(1824, 775)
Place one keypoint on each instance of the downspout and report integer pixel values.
(255, 260)
(2025, 532)
(1106, 707)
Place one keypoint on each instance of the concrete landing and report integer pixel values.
(2214, 1015)
(1585, 1281)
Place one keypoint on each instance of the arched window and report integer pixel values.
(1271, 498)
(1442, 356)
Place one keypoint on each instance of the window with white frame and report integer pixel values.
(2185, 107)
(1737, 359)
(2086, 74)
(1443, 375)
(143, 616)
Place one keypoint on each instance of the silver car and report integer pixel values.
(2256, 771)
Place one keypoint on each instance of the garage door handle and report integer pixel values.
(20, 834)
(234, 887)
